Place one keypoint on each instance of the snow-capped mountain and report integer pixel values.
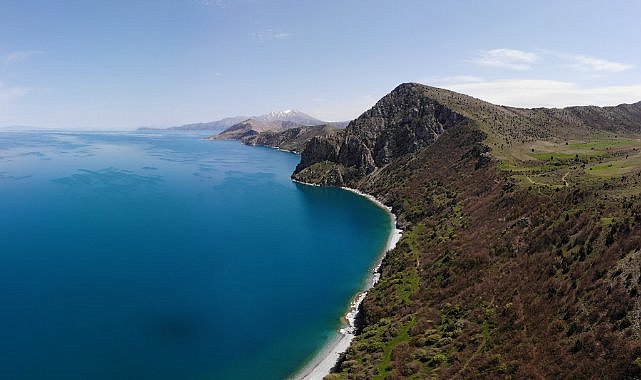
(273, 121)
(292, 116)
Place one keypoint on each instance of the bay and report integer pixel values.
(165, 256)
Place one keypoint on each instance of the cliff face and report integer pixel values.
(402, 122)
(522, 237)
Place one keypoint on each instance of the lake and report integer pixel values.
(165, 256)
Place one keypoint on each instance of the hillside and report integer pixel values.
(522, 243)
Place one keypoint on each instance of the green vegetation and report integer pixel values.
(384, 367)
(556, 165)
(606, 143)
(616, 167)
(558, 156)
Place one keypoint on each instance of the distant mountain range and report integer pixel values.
(273, 121)
(208, 126)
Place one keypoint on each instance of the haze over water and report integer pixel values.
(164, 256)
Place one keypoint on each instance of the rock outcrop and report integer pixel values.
(402, 122)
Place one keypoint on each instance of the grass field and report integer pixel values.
(552, 165)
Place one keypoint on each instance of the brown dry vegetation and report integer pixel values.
(501, 277)
(497, 280)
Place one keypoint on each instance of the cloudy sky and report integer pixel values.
(121, 64)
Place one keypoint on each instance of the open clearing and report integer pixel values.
(554, 165)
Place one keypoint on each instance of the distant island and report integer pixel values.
(522, 242)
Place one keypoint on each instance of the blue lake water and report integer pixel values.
(164, 256)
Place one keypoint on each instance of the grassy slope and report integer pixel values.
(523, 266)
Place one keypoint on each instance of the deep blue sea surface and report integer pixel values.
(165, 256)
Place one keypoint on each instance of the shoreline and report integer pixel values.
(326, 358)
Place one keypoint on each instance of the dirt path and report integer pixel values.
(565, 181)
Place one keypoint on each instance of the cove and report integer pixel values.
(164, 256)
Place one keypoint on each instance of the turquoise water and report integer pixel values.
(164, 256)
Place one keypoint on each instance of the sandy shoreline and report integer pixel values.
(326, 358)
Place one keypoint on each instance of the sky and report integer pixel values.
(123, 64)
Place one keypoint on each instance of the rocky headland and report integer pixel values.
(520, 257)
(292, 139)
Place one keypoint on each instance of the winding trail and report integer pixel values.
(566, 183)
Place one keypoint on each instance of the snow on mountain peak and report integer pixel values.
(290, 115)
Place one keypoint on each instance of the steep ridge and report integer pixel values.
(398, 124)
(495, 276)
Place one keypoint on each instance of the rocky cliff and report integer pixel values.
(401, 123)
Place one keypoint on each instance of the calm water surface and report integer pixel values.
(164, 256)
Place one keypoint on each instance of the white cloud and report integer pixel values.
(282, 35)
(20, 56)
(591, 64)
(523, 60)
(9, 93)
(546, 93)
(270, 34)
(217, 3)
(507, 59)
